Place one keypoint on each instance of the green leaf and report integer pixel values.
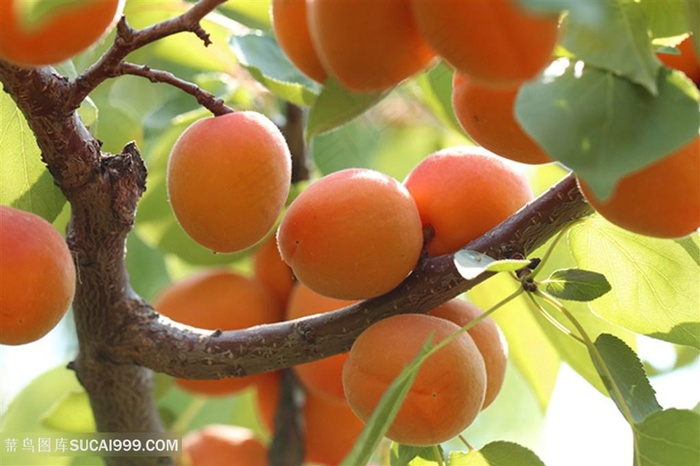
(603, 126)
(528, 346)
(619, 44)
(386, 411)
(586, 12)
(668, 438)
(260, 54)
(27, 410)
(500, 453)
(628, 378)
(665, 18)
(351, 145)
(577, 284)
(252, 13)
(146, 266)
(436, 85)
(401, 455)
(72, 413)
(336, 106)
(25, 183)
(652, 280)
(570, 350)
(470, 264)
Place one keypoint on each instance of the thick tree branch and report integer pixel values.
(181, 351)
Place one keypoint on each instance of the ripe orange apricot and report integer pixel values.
(61, 33)
(331, 427)
(488, 338)
(218, 299)
(325, 376)
(487, 114)
(218, 444)
(267, 399)
(462, 192)
(228, 178)
(353, 234)
(270, 270)
(447, 393)
(37, 277)
(291, 28)
(686, 61)
(661, 200)
(367, 46)
(495, 41)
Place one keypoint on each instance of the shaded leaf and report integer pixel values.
(619, 43)
(577, 284)
(25, 182)
(336, 106)
(500, 453)
(654, 281)
(401, 455)
(629, 378)
(436, 85)
(603, 126)
(668, 438)
(260, 54)
(665, 18)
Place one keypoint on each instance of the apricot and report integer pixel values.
(218, 444)
(325, 376)
(228, 178)
(270, 270)
(368, 47)
(447, 393)
(292, 32)
(687, 60)
(462, 192)
(495, 41)
(487, 114)
(661, 200)
(267, 399)
(331, 427)
(218, 299)
(488, 338)
(59, 34)
(37, 277)
(353, 234)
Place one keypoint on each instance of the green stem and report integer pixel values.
(474, 322)
(438, 455)
(553, 320)
(596, 358)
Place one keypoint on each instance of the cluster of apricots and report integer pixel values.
(46, 33)
(374, 50)
(351, 235)
(37, 274)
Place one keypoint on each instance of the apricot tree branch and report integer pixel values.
(129, 40)
(181, 351)
(204, 98)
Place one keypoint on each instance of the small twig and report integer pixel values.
(129, 40)
(204, 98)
